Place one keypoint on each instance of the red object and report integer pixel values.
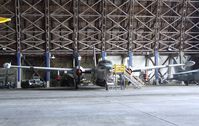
(79, 72)
(58, 78)
(146, 78)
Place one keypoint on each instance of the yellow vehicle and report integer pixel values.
(4, 20)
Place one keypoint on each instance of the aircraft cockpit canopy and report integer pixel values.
(105, 64)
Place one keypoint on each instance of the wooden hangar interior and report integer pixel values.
(147, 32)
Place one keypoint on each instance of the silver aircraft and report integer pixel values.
(187, 77)
(103, 71)
(75, 72)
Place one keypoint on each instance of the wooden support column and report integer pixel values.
(156, 53)
(18, 30)
(76, 61)
(75, 24)
(157, 38)
(182, 30)
(169, 69)
(47, 53)
(146, 65)
(103, 53)
(130, 41)
(47, 64)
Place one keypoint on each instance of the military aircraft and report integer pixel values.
(103, 71)
(7, 78)
(76, 72)
(186, 76)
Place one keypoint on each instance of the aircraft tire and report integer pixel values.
(75, 84)
(106, 85)
(186, 83)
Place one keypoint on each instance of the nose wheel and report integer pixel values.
(76, 82)
(106, 86)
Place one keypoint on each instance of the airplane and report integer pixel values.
(75, 72)
(186, 76)
(6, 79)
(103, 71)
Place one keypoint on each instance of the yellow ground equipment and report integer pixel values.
(4, 20)
(126, 73)
(119, 68)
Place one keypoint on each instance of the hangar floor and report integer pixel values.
(149, 106)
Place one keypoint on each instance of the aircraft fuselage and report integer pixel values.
(103, 72)
(192, 75)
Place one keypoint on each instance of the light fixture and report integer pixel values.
(52, 57)
(4, 49)
(169, 48)
(79, 58)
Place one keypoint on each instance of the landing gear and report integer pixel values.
(106, 86)
(186, 83)
(191, 82)
(75, 84)
(102, 83)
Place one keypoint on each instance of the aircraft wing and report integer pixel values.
(189, 63)
(84, 70)
(87, 70)
(42, 68)
(155, 67)
(187, 72)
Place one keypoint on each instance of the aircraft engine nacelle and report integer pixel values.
(7, 65)
(78, 72)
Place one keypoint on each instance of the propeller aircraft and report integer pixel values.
(102, 71)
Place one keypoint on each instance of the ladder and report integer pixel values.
(128, 74)
(136, 81)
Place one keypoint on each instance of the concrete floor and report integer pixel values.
(149, 106)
